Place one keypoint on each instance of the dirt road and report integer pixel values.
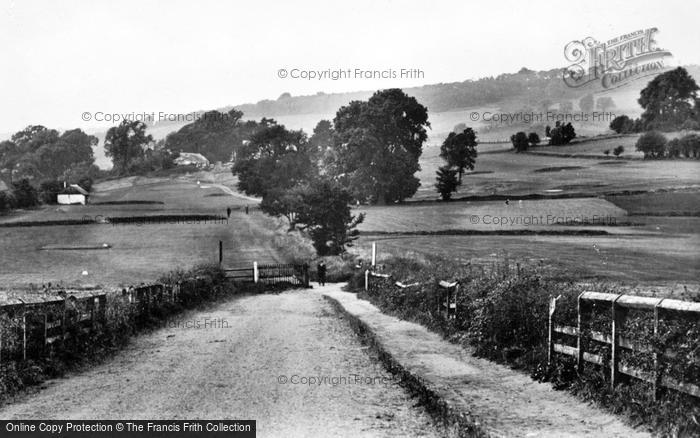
(248, 358)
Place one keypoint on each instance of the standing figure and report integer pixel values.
(228, 212)
(321, 269)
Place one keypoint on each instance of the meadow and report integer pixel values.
(136, 253)
(647, 209)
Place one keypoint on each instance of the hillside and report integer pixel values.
(448, 104)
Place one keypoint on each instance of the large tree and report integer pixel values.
(325, 214)
(459, 150)
(378, 144)
(215, 135)
(274, 158)
(126, 143)
(668, 99)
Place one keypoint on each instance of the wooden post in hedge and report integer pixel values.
(374, 254)
(615, 342)
(221, 252)
(579, 338)
(24, 336)
(656, 385)
(550, 332)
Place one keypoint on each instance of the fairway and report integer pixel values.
(136, 253)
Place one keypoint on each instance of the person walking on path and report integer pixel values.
(321, 270)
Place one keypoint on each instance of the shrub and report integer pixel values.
(533, 139)
(606, 152)
(49, 190)
(622, 124)
(652, 144)
(618, 150)
(7, 201)
(25, 194)
(689, 145)
(520, 141)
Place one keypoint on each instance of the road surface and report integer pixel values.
(253, 357)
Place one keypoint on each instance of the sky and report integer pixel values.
(61, 59)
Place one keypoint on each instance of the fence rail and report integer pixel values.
(619, 305)
(584, 336)
(32, 327)
(272, 274)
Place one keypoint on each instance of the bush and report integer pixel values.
(533, 138)
(49, 190)
(606, 152)
(562, 134)
(652, 144)
(25, 194)
(7, 201)
(520, 141)
(689, 145)
(618, 150)
(622, 124)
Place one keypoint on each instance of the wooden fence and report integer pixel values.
(619, 307)
(586, 339)
(272, 274)
(36, 326)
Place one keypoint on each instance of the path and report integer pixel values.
(235, 373)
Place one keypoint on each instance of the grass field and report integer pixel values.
(512, 174)
(597, 146)
(492, 215)
(136, 253)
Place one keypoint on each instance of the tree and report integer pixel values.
(562, 134)
(215, 135)
(125, 143)
(618, 150)
(285, 202)
(325, 213)
(49, 190)
(520, 141)
(622, 124)
(533, 139)
(673, 148)
(274, 158)
(321, 140)
(459, 150)
(605, 103)
(690, 145)
(586, 103)
(447, 182)
(668, 99)
(25, 194)
(378, 144)
(652, 144)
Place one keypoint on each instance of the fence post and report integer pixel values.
(306, 275)
(366, 280)
(579, 338)
(550, 344)
(614, 342)
(24, 336)
(221, 252)
(657, 374)
(46, 334)
(374, 254)
(256, 273)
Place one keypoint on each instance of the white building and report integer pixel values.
(73, 194)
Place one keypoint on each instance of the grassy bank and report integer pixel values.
(503, 316)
